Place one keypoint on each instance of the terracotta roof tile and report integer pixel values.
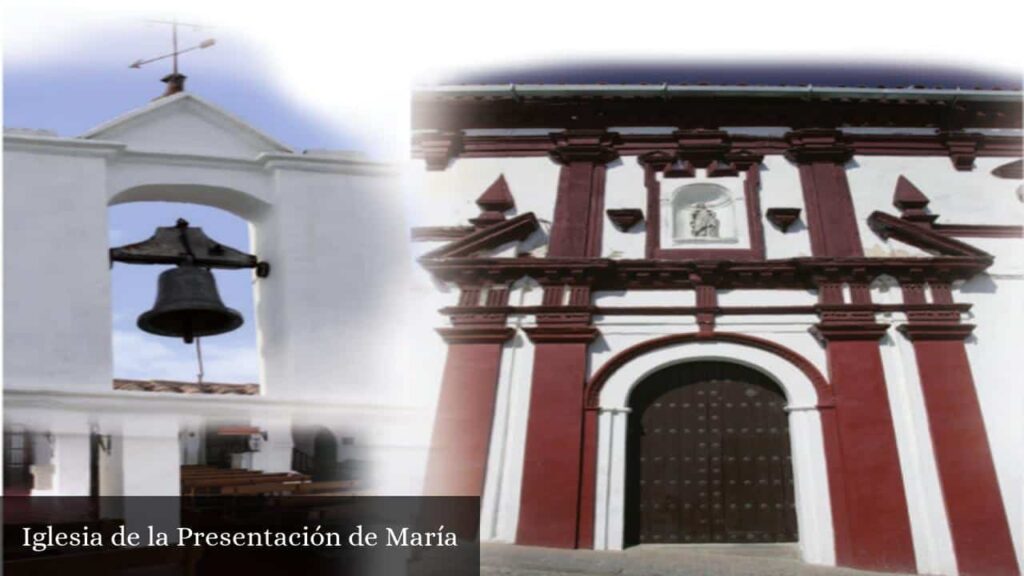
(186, 387)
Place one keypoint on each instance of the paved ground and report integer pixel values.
(712, 560)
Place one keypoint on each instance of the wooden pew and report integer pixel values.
(328, 487)
(217, 484)
(267, 488)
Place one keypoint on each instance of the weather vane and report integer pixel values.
(175, 81)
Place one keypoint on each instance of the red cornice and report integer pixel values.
(480, 334)
(439, 148)
(699, 111)
(607, 274)
(562, 334)
(920, 331)
(639, 144)
(818, 145)
(517, 228)
(980, 230)
(596, 146)
(888, 226)
(431, 233)
(808, 310)
(834, 331)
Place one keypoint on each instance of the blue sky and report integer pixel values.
(70, 100)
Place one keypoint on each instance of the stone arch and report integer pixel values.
(809, 403)
(597, 382)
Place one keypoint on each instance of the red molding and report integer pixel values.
(579, 204)
(783, 217)
(431, 233)
(625, 218)
(518, 228)
(573, 334)
(963, 148)
(608, 274)
(916, 332)
(980, 230)
(438, 149)
(694, 111)
(957, 308)
(838, 331)
(1011, 170)
(592, 146)
(888, 226)
(640, 144)
(831, 218)
(600, 377)
(475, 334)
(818, 145)
(911, 202)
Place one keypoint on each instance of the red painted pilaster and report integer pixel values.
(870, 506)
(465, 408)
(831, 221)
(550, 507)
(579, 206)
(970, 488)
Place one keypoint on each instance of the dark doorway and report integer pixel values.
(17, 462)
(325, 455)
(708, 458)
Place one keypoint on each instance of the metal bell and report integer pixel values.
(188, 305)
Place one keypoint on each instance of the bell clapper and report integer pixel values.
(199, 359)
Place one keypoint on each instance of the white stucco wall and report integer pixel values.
(57, 320)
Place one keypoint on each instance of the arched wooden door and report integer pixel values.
(709, 458)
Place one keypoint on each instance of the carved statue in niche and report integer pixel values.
(703, 222)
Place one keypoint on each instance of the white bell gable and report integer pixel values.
(186, 124)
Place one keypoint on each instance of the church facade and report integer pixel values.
(725, 314)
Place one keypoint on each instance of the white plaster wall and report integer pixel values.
(645, 298)
(337, 247)
(969, 197)
(150, 456)
(448, 197)
(621, 332)
(780, 188)
(57, 321)
(624, 188)
(994, 351)
(499, 517)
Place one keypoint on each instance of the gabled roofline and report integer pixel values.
(98, 131)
